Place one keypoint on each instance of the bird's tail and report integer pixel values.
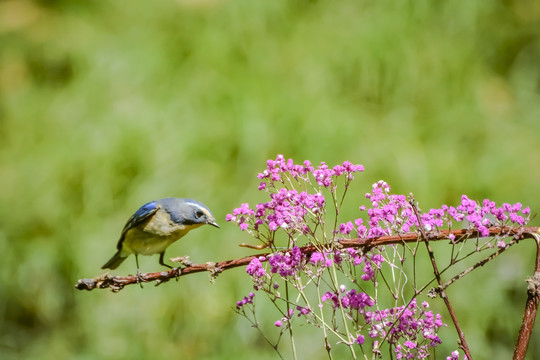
(115, 261)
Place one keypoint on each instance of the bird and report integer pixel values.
(156, 225)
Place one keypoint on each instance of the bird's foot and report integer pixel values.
(140, 278)
(178, 271)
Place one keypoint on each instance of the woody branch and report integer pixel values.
(117, 283)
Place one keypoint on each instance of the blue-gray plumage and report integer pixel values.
(156, 225)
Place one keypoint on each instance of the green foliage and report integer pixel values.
(107, 105)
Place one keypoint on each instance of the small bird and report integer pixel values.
(156, 225)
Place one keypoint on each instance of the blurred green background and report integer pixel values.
(107, 105)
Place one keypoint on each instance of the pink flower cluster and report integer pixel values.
(455, 356)
(369, 271)
(257, 272)
(350, 300)
(286, 264)
(413, 329)
(246, 300)
(482, 216)
(286, 209)
(406, 323)
(301, 311)
(325, 259)
(255, 268)
(324, 175)
(390, 214)
(241, 216)
(277, 169)
(328, 258)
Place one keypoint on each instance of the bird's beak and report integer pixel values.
(213, 223)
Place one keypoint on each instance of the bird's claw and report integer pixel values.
(140, 278)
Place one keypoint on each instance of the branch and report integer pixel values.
(531, 307)
(117, 283)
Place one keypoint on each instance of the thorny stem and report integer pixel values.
(531, 307)
(462, 342)
(117, 283)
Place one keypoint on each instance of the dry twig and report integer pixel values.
(117, 283)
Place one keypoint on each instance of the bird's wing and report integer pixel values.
(144, 212)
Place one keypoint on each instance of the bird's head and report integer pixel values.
(188, 212)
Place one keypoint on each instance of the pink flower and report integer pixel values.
(316, 258)
(255, 268)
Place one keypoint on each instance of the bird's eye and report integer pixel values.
(199, 214)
